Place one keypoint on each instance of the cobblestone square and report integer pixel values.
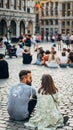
(63, 78)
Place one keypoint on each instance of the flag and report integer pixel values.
(38, 5)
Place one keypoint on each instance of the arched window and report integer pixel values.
(13, 28)
(3, 27)
(22, 27)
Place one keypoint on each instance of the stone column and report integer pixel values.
(33, 27)
(26, 27)
(8, 29)
(22, 5)
(18, 28)
(17, 4)
(53, 8)
(4, 4)
(59, 26)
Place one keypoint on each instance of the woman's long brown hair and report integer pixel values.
(47, 85)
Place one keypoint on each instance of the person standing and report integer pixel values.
(22, 97)
(4, 70)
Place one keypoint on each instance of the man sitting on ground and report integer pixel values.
(20, 104)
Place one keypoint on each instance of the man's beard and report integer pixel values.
(29, 83)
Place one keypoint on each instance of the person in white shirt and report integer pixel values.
(19, 50)
(63, 60)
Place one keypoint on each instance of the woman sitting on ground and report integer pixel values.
(52, 63)
(40, 55)
(27, 57)
(46, 57)
(47, 116)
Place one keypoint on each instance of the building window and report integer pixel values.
(14, 4)
(72, 23)
(46, 10)
(42, 12)
(51, 22)
(56, 8)
(68, 9)
(46, 22)
(7, 4)
(47, 3)
(20, 5)
(28, 10)
(37, 18)
(56, 22)
(42, 22)
(68, 23)
(51, 8)
(63, 24)
(1, 3)
(63, 9)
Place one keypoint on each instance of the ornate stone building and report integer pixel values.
(56, 16)
(17, 16)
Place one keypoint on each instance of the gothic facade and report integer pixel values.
(17, 16)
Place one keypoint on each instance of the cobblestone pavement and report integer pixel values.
(63, 79)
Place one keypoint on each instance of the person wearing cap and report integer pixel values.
(4, 70)
(22, 97)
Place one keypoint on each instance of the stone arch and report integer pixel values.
(13, 28)
(30, 27)
(3, 27)
(22, 27)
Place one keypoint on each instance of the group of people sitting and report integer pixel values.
(50, 58)
(23, 98)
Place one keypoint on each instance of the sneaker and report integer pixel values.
(65, 119)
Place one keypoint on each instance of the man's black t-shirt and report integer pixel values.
(4, 73)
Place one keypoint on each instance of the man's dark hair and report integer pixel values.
(23, 73)
(1, 55)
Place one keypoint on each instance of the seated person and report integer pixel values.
(27, 57)
(47, 115)
(22, 97)
(63, 60)
(40, 55)
(12, 51)
(19, 50)
(52, 63)
(46, 56)
(4, 72)
(70, 59)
